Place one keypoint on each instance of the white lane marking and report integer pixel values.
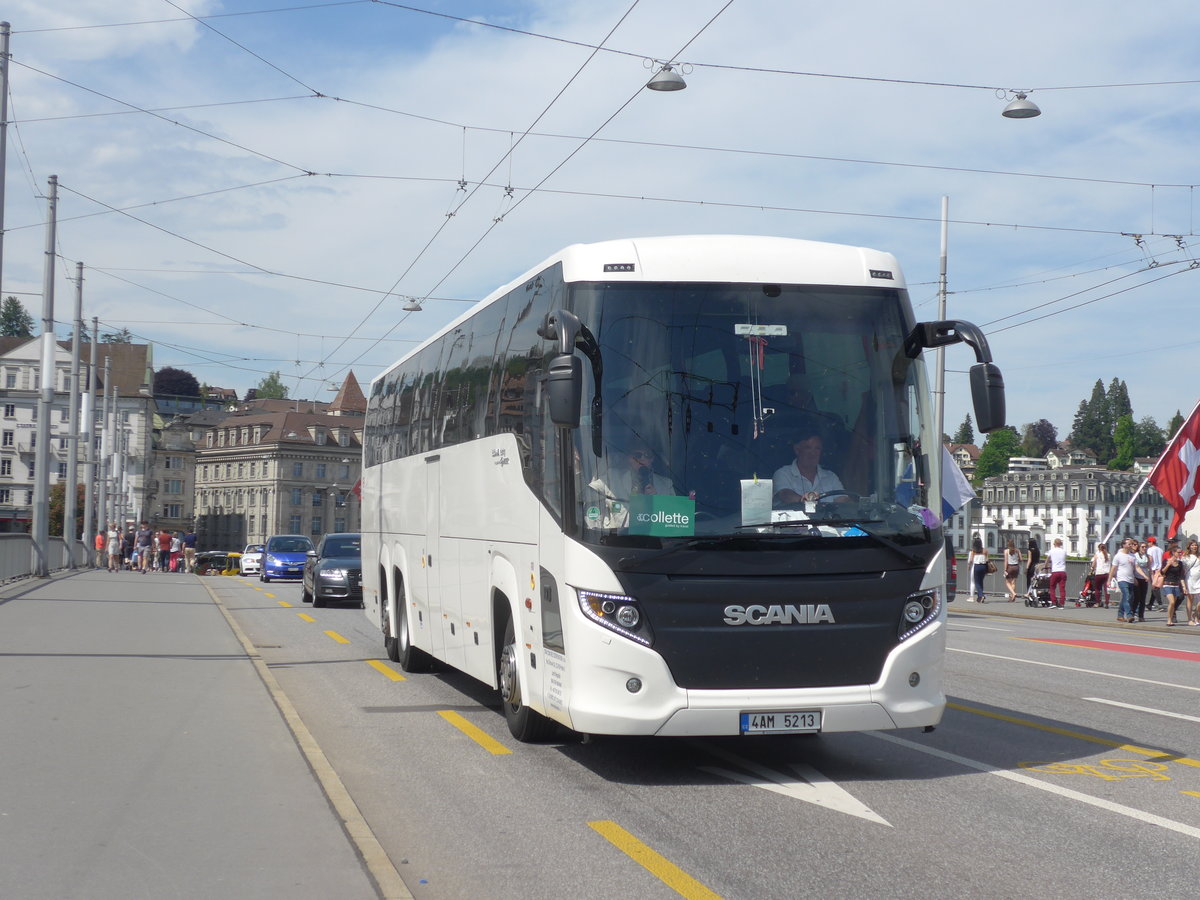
(1118, 808)
(1034, 662)
(1145, 709)
(977, 627)
(813, 787)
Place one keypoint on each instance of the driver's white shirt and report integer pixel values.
(789, 478)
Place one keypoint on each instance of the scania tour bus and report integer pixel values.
(588, 492)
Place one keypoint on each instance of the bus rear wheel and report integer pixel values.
(525, 725)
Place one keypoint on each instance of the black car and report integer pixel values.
(333, 572)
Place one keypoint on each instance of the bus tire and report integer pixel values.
(399, 647)
(525, 724)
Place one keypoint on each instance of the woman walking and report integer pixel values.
(1172, 583)
(1101, 566)
(1033, 556)
(1012, 566)
(1058, 573)
(1191, 582)
(978, 563)
(1141, 583)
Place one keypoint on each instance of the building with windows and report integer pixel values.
(262, 473)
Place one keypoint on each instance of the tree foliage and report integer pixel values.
(15, 320)
(1002, 445)
(1038, 438)
(1172, 427)
(176, 382)
(272, 388)
(965, 433)
(117, 337)
(57, 508)
(1093, 426)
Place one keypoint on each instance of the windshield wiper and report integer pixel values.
(630, 563)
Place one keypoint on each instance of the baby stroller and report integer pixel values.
(1039, 587)
(1088, 595)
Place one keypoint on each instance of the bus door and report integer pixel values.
(431, 561)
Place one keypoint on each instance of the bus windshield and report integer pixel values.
(750, 410)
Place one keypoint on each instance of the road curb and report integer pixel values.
(1063, 615)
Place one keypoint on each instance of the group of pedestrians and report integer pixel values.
(1146, 576)
(145, 551)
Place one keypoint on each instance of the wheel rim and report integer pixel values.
(510, 686)
(402, 628)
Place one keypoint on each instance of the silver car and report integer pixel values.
(251, 563)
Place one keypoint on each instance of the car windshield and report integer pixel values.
(730, 410)
(289, 545)
(347, 546)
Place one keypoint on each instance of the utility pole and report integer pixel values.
(5, 32)
(41, 475)
(106, 515)
(70, 532)
(89, 433)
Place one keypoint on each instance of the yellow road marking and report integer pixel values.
(1191, 793)
(337, 637)
(386, 670)
(283, 603)
(658, 866)
(306, 617)
(1078, 735)
(482, 738)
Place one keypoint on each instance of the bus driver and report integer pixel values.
(805, 478)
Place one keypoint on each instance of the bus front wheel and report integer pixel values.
(526, 725)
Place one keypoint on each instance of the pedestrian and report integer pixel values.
(1033, 556)
(1191, 582)
(977, 564)
(189, 551)
(1141, 585)
(1101, 566)
(114, 546)
(1172, 580)
(129, 547)
(1156, 560)
(177, 551)
(1124, 569)
(144, 545)
(1012, 566)
(1058, 573)
(164, 550)
(100, 543)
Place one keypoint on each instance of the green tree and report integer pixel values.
(1172, 427)
(176, 382)
(1118, 401)
(1002, 445)
(1149, 439)
(965, 433)
(1038, 438)
(57, 509)
(272, 388)
(1093, 428)
(15, 321)
(1125, 441)
(117, 337)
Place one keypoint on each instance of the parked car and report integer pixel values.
(284, 556)
(334, 571)
(252, 559)
(951, 571)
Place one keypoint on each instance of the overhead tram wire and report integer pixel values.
(548, 175)
(222, 15)
(507, 155)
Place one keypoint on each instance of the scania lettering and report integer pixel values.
(777, 615)
(568, 492)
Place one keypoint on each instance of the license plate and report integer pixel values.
(789, 722)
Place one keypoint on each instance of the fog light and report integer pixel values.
(633, 685)
(627, 616)
(914, 679)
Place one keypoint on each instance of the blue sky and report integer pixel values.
(283, 233)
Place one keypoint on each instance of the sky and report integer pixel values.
(258, 186)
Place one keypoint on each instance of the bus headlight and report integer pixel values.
(616, 612)
(920, 609)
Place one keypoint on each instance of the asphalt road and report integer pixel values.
(1067, 765)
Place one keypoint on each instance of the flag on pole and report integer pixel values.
(956, 490)
(1175, 475)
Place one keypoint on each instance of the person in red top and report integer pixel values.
(101, 543)
(164, 550)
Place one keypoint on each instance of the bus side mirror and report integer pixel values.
(564, 389)
(987, 393)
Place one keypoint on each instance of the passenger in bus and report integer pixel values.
(804, 478)
(630, 474)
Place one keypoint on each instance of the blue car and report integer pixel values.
(284, 556)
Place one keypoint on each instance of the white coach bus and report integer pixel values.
(672, 486)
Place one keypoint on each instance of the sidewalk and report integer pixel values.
(143, 756)
(997, 605)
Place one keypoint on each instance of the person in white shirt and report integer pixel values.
(1156, 560)
(1125, 568)
(804, 478)
(1058, 573)
(631, 473)
(1101, 566)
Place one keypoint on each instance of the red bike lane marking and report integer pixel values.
(1188, 655)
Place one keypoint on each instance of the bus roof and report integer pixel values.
(710, 258)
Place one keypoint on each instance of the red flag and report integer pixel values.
(357, 489)
(1177, 473)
